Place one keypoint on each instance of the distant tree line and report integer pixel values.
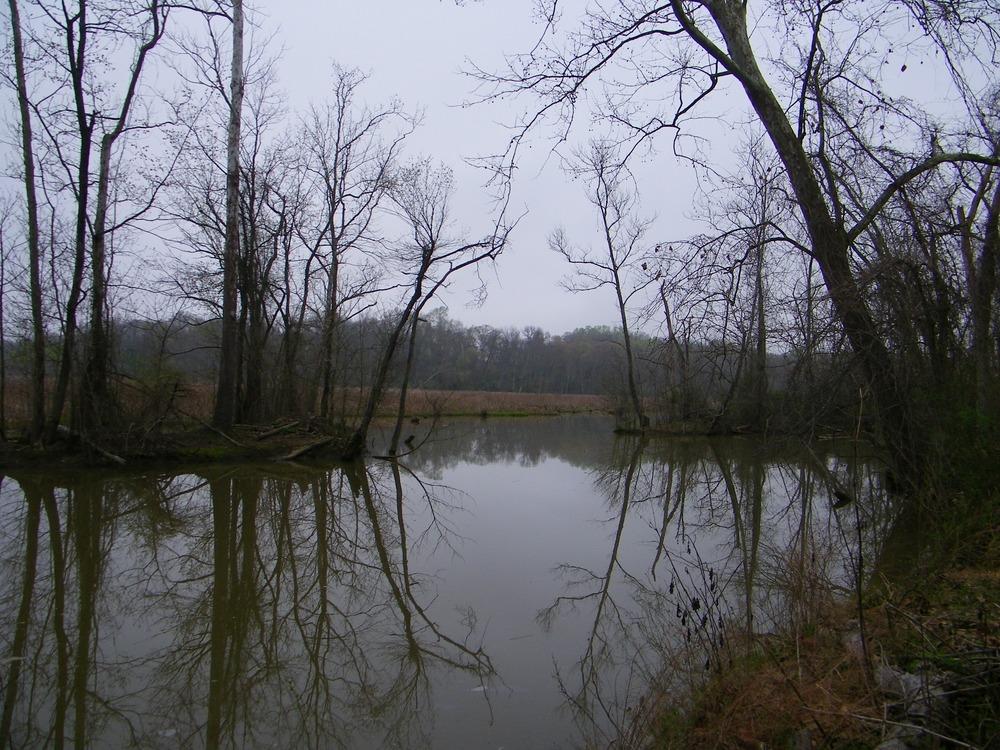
(449, 356)
(160, 359)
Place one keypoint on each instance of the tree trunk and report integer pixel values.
(760, 362)
(289, 396)
(633, 388)
(404, 385)
(34, 251)
(96, 407)
(3, 351)
(356, 445)
(76, 289)
(329, 328)
(678, 382)
(828, 238)
(982, 307)
(253, 406)
(76, 55)
(226, 390)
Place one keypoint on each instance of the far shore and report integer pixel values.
(187, 437)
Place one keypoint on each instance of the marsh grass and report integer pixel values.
(173, 402)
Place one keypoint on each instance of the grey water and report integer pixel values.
(515, 583)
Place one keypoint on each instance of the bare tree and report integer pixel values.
(226, 387)
(618, 262)
(34, 246)
(681, 52)
(98, 406)
(83, 100)
(352, 152)
(428, 259)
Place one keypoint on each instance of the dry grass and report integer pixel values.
(811, 688)
(802, 689)
(198, 400)
(143, 403)
(781, 690)
(422, 402)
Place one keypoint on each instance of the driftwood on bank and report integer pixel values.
(279, 429)
(306, 449)
(68, 433)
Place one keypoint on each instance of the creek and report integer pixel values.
(516, 583)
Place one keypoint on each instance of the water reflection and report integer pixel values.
(580, 441)
(464, 594)
(228, 609)
(726, 541)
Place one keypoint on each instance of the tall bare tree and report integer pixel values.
(98, 405)
(352, 153)
(428, 258)
(34, 247)
(228, 378)
(617, 264)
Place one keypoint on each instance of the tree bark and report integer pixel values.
(828, 237)
(76, 54)
(34, 250)
(226, 390)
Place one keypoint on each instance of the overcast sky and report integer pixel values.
(417, 50)
(421, 50)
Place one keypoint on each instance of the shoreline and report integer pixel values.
(301, 440)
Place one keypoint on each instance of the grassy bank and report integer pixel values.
(182, 404)
(182, 435)
(287, 441)
(421, 402)
(917, 664)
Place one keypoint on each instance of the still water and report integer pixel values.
(508, 584)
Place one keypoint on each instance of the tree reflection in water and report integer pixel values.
(291, 606)
(741, 540)
(232, 608)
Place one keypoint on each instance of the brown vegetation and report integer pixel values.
(172, 423)
(182, 403)
(422, 402)
(809, 687)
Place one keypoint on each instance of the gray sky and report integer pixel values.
(417, 49)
